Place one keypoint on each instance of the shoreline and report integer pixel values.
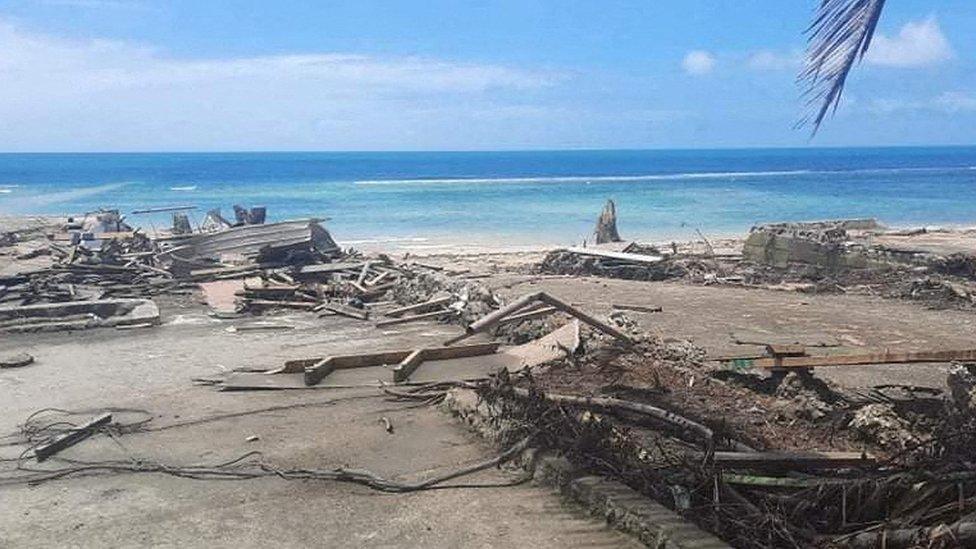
(485, 244)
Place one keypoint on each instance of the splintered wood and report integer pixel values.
(498, 317)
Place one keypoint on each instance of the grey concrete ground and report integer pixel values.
(152, 369)
(714, 317)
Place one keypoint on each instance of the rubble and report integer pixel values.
(78, 315)
(758, 450)
(879, 423)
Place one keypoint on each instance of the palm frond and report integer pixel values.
(837, 39)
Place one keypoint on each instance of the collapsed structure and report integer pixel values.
(758, 450)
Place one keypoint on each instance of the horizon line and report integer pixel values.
(468, 151)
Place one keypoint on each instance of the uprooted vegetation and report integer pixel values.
(833, 468)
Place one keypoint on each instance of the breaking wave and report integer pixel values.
(650, 177)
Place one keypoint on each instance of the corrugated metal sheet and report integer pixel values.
(250, 240)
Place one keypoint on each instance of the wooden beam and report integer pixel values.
(792, 459)
(855, 360)
(572, 311)
(316, 371)
(461, 351)
(408, 365)
(343, 310)
(413, 361)
(636, 308)
(495, 317)
(71, 438)
(530, 315)
(420, 306)
(422, 316)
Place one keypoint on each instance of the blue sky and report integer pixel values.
(140, 75)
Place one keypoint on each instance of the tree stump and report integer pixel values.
(606, 225)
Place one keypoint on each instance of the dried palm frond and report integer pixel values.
(838, 38)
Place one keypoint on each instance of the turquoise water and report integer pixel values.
(512, 197)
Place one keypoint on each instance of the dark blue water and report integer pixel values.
(512, 197)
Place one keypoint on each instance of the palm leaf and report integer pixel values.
(837, 39)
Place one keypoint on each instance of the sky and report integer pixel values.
(242, 75)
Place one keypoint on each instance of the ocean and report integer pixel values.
(423, 200)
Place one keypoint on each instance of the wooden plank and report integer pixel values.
(378, 278)
(780, 349)
(422, 316)
(636, 308)
(343, 310)
(416, 307)
(792, 459)
(633, 258)
(317, 371)
(497, 316)
(71, 438)
(530, 315)
(327, 268)
(364, 273)
(413, 361)
(493, 318)
(295, 366)
(780, 482)
(461, 351)
(408, 365)
(285, 304)
(602, 326)
(856, 360)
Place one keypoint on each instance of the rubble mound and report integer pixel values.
(473, 300)
(566, 262)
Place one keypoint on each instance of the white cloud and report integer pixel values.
(956, 101)
(99, 94)
(947, 102)
(698, 62)
(918, 44)
(768, 60)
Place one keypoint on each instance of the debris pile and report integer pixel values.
(717, 452)
(646, 264)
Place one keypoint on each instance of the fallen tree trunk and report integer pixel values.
(617, 405)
